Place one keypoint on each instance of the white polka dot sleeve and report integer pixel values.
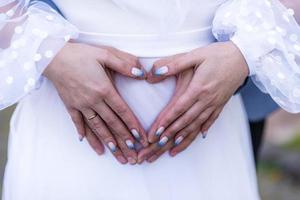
(269, 37)
(30, 36)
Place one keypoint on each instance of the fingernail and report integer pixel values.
(132, 161)
(163, 141)
(152, 159)
(99, 152)
(122, 159)
(178, 140)
(129, 144)
(137, 72)
(159, 131)
(140, 161)
(112, 147)
(173, 153)
(135, 134)
(204, 134)
(81, 137)
(161, 71)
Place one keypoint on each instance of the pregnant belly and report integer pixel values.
(146, 100)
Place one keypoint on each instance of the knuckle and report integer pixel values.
(175, 65)
(175, 128)
(205, 90)
(105, 55)
(122, 110)
(134, 61)
(97, 125)
(103, 90)
(177, 110)
(201, 119)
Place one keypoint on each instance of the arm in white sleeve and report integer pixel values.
(269, 38)
(30, 36)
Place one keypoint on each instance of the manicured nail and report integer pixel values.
(137, 72)
(178, 140)
(81, 137)
(121, 159)
(132, 161)
(112, 147)
(204, 134)
(135, 134)
(161, 71)
(129, 144)
(163, 141)
(159, 131)
(99, 152)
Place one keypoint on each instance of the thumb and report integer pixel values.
(163, 69)
(126, 68)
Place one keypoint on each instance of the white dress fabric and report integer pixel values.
(45, 159)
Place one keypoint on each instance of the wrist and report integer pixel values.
(53, 69)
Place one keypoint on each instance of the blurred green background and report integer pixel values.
(279, 166)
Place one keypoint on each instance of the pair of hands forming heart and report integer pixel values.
(206, 79)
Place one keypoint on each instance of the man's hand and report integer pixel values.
(79, 75)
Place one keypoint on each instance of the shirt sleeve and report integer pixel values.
(268, 36)
(30, 36)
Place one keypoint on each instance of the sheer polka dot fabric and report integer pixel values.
(31, 35)
(269, 38)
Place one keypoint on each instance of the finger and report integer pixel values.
(151, 77)
(181, 85)
(147, 152)
(94, 141)
(177, 65)
(184, 144)
(133, 60)
(103, 133)
(130, 154)
(210, 121)
(192, 119)
(114, 124)
(108, 59)
(157, 154)
(180, 106)
(78, 122)
(117, 104)
(193, 126)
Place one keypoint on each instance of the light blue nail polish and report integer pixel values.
(81, 138)
(204, 134)
(159, 131)
(178, 140)
(136, 134)
(112, 147)
(129, 144)
(163, 141)
(161, 71)
(137, 72)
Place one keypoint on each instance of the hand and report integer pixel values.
(79, 75)
(219, 70)
(152, 152)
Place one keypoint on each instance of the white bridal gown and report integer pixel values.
(45, 159)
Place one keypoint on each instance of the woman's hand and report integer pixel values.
(219, 70)
(80, 77)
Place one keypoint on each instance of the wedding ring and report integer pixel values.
(92, 117)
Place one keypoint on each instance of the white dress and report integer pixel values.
(45, 159)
